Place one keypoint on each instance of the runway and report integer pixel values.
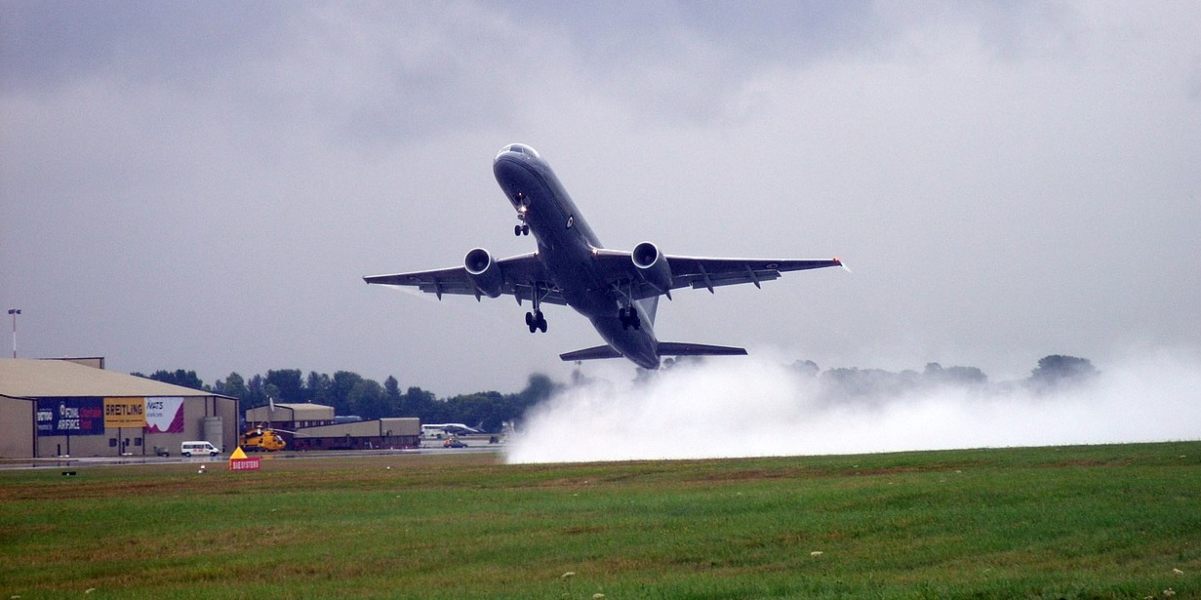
(474, 446)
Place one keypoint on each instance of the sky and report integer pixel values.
(202, 185)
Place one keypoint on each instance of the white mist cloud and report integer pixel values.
(759, 407)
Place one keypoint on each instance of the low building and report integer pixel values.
(290, 416)
(75, 407)
(388, 433)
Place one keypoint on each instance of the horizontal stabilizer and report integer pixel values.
(686, 349)
(591, 353)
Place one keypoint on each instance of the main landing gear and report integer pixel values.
(629, 318)
(627, 314)
(535, 321)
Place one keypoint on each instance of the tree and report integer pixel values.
(393, 397)
(180, 377)
(343, 382)
(1058, 370)
(271, 392)
(417, 402)
(255, 396)
(287, 382)
(317, 388)
(367, 399)
(231, 386)
(807, 368)
(935, 373)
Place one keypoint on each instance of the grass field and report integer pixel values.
(1075, 522)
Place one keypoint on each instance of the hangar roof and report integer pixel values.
(29, 378)
(379, 427)
(296, 411)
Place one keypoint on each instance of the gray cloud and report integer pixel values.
(50, 44)
(201, 188)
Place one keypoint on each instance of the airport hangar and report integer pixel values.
(74, 407)
(308, 426)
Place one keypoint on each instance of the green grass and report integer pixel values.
(1075, 522)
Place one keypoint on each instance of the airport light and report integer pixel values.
(14, 312)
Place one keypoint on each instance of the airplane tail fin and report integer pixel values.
(687, 349)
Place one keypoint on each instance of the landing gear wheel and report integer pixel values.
(629, 318)
(535, 321)
(525, 230)
(517, 230)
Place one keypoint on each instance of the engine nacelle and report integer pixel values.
(484, 272)
(652, 266)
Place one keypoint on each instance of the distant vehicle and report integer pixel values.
(453, 442)
(437, 431)
(617, 290)
(264, 438)
(162, 451)
(190, 448)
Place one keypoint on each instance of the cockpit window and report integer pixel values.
(520, 149)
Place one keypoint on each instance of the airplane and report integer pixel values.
(618, 291)
(433, 430)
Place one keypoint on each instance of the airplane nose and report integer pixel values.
(517, 151)
(509, 169)
(519, 171)
(514, 172)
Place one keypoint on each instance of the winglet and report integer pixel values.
(838, 261)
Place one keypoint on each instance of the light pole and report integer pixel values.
(14, 312)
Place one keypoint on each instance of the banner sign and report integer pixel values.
(244, 464)
(164, 414)
(70, 416)
(124, 412)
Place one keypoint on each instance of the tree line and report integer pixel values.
(352, 394)
(1053, 373)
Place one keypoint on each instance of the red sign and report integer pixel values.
(244, 464)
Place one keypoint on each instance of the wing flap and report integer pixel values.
(520, 274)
(699, 272)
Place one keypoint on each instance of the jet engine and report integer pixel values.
(652, 266)
(484, 272)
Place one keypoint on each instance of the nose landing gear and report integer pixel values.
(521, 228)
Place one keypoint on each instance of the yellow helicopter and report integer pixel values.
(263, 438)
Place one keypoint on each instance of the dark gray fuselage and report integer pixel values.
(566, 247)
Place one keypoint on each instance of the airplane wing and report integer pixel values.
(520, 275)
(700, 272)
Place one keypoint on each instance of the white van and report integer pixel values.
(190, 448)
